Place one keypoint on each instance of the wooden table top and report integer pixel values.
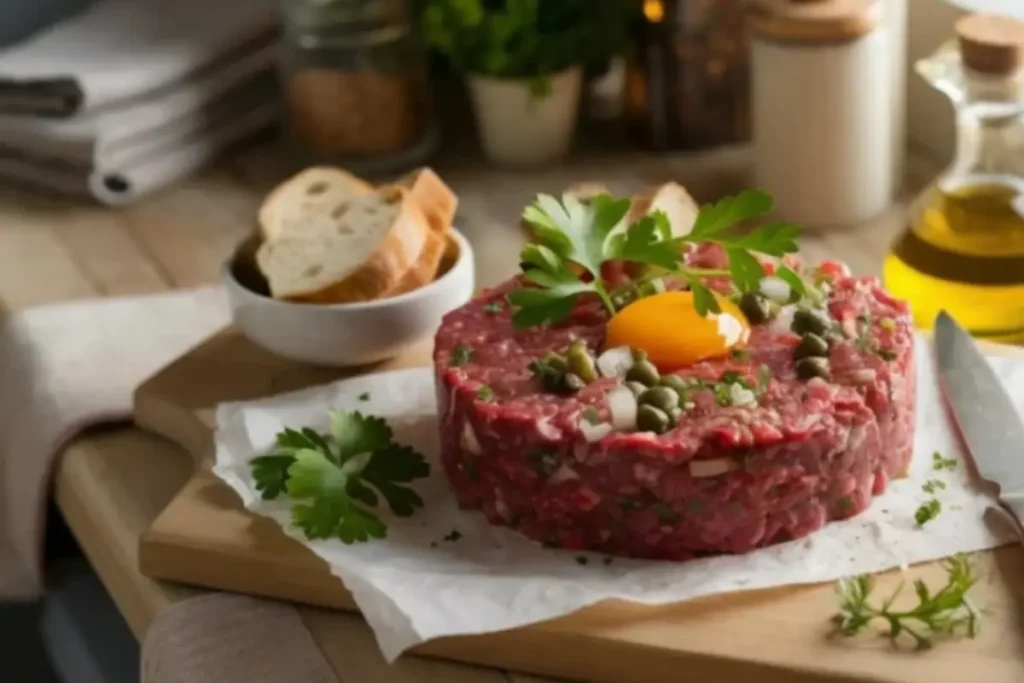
(111, 483)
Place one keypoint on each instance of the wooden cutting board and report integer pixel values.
(205, 537)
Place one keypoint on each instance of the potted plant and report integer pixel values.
(524, 63)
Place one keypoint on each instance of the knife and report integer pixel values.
(987, 418)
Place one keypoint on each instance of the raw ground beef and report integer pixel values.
(726, 480)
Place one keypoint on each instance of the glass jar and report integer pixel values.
(963, 248)
(687, 83)
(356, 85)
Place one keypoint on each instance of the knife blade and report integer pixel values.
(984, 412)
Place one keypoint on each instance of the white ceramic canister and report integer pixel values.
(823, 112)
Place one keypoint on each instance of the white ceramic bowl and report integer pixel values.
(344, 335)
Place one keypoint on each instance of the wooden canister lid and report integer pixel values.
(990, 44)
(815, 21)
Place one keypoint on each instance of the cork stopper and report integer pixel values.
(990, 44)
(815, 21)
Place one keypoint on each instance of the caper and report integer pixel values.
(676, 384)
(651, 419)
(573, 382)
(555, 361)
(674, 415)
(580, 361)
(636, 387)
(808, 368)
(755, 307)
(660, 397)
(810, 320)
(639, 354)
(643, 371)
(810, 345)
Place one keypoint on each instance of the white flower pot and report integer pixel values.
(518, 128)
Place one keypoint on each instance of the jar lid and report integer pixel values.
(815, 21)
(991, 44)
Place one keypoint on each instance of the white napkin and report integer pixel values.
(414, 586)
(112, 137)
(123, 50)
(63, 368)
(153, 162)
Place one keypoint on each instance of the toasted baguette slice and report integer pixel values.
(673, 200)
(586, 191)
(316, 190)
(357, 252)
(438, 204)
(436, 199)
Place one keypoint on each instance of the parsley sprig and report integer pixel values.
(572, 236)
(947, 612)
(336, 480)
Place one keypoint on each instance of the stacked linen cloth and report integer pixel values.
(131, 95)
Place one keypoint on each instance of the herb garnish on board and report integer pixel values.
(947, 612)
(337, 479)
(572, 234)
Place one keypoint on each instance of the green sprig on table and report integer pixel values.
(944, 613)
(588, 235)
(336, 480)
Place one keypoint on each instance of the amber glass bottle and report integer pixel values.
(963, 250)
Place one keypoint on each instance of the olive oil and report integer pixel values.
(963, 252)
(963, 249)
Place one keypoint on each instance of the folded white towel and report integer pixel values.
(63, 368)
(152, 162)
(122, 50)
(114, 136)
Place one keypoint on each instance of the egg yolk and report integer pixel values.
(669, 329)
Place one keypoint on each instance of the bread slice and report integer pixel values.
(313, 191)
(357, 251)
(438, 203)
(673, 200)
(436, 199)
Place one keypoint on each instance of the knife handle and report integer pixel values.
(1013, 508)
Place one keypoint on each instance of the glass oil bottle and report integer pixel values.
(963, 250)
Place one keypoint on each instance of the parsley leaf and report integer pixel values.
(388, 469)
(648, 241)
(703, 299)
(336, 479)
(715, 218)
(745, 269)
(576, 231)
(356, 433)
(792, 279)
(927, 512)
(777, 239)
(270, 473)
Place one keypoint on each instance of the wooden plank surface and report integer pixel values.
(112, 483)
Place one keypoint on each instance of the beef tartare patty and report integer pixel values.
(726, 479)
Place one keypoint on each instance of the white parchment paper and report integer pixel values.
(415, 586)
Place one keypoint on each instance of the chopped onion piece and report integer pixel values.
(739, 395)
(594, 432)
(469, 440)
(622, 406)
(563, 473)
(776, 289)
(615, 362)
(710, 468)
(863, 376)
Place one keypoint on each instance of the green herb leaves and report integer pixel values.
(947, 612)
(573, 236)
(337, 479)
